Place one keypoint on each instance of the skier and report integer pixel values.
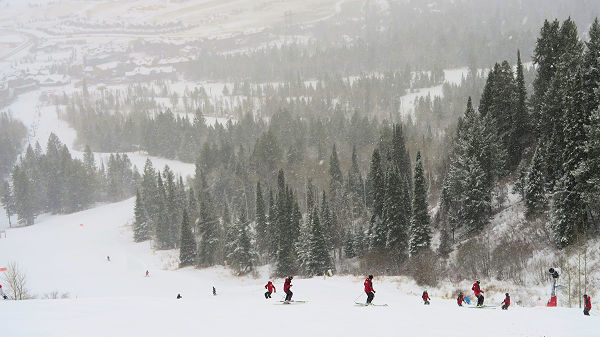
(478, 293)
(369, 289)
(506, 302)
(270, 289)
(147, 273)
(214, 291)
(108, 258)
(460, 299)
(287, 284)
(588, 305)
(425, 298)
(2, 293)
(179, 296)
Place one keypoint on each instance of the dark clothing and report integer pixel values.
(268, 294)
(288, 295)
(370, 296)
(480, 300)
(586, 311)
(179, 296)
(506, 303)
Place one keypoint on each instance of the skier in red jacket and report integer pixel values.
(460, 299)
(369, 289)
(287, 284)
(506, 302)
(270, 289)
(425, 298)
(478, 293)
(587, 305)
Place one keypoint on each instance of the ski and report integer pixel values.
(370, 305)
(293, 301)
(484, 306)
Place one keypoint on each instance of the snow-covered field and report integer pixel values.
(68, 254)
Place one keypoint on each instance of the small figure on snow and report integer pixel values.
(270, 289)
(506, 302)
(425, 298)
(369, 289)
(2, 293)
(179, 296)
(287, 284)
(460, 299)
(587, 305)
(478, 293)
(108, 258)
(147, 273)
(214, 291)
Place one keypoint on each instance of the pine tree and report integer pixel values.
(397, 216)
(209, 228)
(242, 256)
(535, 194)
(141, 230)
(591, 66)
(445, 247)
(420, 225)
(262, 233)
(519, 133)
(23, 196)
(187, 251)
(320, 260)
(355, 186)
(7, 200)
(161, 222)
(378, 227)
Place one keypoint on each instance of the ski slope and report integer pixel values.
(68, 253)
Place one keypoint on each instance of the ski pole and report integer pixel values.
(356, 299)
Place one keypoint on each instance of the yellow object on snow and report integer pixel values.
(330, 273)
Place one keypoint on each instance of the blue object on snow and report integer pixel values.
(467, 299)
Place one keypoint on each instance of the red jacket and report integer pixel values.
(588, 303)
(287, 284)
(460, 299)
(425, 296)
(507, 301)
(369, 286)
(476, 289)
(270, 287)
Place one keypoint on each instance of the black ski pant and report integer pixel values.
(426, 303)
(586, 311)
(288, 295)
(504, 307)
(268, 294)
(480, 300)
(370, 296)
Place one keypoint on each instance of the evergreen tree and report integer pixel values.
(535, 194)
(161, 223)
(242, 256)
(187, 252)
(379, 230)
(520, 128)
(320, 260)
(420, 225)
(445, 247)
(591, 67)
(7, 200)
(141, 230)
(23, 196)
(209, 228)
(262, 230)
(355, 185)
(397, 216)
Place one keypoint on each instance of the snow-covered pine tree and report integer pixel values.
(519, 137)
(396, 216)
(187, 246)
(420, 230)
(7, 200)
(319, 261)
(242, 256)
(141, 230)
(209, 228)
(378, 232)
(262, 233)
(23, 195)
(535, 192)
(161, 222)
(355, 186)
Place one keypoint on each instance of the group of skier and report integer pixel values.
(370, 292)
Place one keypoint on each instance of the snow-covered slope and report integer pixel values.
(68, 254)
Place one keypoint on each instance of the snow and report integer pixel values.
(114, 298)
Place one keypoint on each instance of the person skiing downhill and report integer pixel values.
(506, 302)
(369, 289)
(460, 299)
(147, 273)
(425, 298)
(287, 284)
(2, 293)
(270, 289)
(478, 293)
(587, 305)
